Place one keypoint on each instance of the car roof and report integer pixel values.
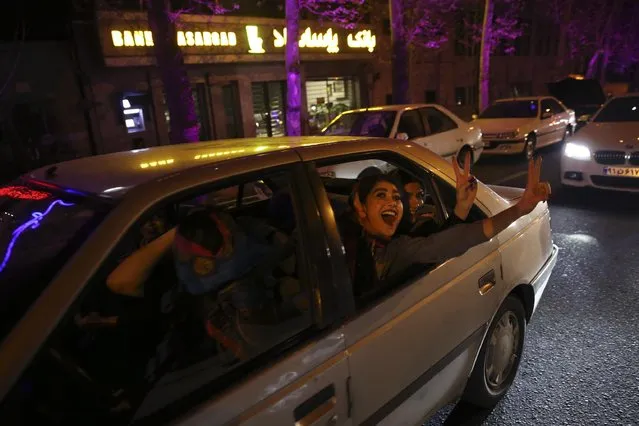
(524, 98)
(112, 175)
(402, 107)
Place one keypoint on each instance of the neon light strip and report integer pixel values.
(30, 224)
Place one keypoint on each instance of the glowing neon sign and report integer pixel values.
(32, 223)
(255, 43)
(23, 193)
(206, 38)
(327, 40)
(364, 39)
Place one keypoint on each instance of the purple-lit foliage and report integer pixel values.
(416, 23)
(342, 12)
(500, 27)
(606, 33)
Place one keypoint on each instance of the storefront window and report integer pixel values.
(269, 111)
(201, 110)
(328, 98)
(230, 98)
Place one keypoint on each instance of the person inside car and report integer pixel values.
(380, 256)
(227, 272)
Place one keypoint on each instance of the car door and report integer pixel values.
(444, 131)
(549, 124)
(411, 350)
(107, 359)
(561, 119)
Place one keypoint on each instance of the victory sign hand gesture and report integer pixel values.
(466, 188)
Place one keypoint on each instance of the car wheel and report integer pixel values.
(498, 360)
(462, 155)
(529, 146)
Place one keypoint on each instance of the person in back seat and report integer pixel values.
(226, 272)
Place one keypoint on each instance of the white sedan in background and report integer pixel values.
(605, 153)
(429, 125)
(522, 125)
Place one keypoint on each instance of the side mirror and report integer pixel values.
(402, 136)
(545, 115)
(584, 118)
(475, 116)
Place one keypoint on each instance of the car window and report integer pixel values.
(556, 107)
(411, 123)
(624, 109)
(421, 216)
(546, 107)
(362, 123)
(512, 109)
(228, 294)
(38, 230)
(438, 122)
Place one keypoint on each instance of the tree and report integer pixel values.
(170, 61)
(500, 28)
(606, 33)
(342, 12)
(420, 23)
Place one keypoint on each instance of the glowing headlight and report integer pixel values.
(577, 151)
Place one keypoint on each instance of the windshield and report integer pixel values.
(366, 123)
(512, 109)
(39, 230)
(619, 110)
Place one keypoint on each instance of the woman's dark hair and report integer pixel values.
(365, 185)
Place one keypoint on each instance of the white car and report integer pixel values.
(605, 153)
(522, 125)
(287, 343)
(429, 125)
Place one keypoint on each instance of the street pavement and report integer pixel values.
(581, 356)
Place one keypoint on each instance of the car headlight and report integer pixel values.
(577, 151)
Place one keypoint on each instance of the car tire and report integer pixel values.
(462, 154)
(530, 144)
(496, 366)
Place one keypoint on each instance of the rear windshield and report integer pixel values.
(366, 123)
(511, 109)
(39, 231)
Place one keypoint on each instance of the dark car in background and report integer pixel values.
(584, 96)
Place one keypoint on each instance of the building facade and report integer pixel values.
(236, 68)
(100, 92)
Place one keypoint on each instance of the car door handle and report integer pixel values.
(318, 409)
(487, 282)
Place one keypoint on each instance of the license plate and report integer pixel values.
(622, 171)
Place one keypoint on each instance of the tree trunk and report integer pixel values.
(184, 126)
(293, 81)
(562, 50)
(399, 53)
(484, 56)
(592, 65)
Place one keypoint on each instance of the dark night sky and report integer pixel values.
(44, 19)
